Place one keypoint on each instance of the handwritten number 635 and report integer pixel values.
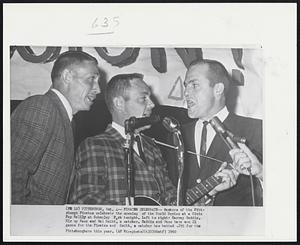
(106, 22)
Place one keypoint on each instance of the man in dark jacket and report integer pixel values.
(206, 84)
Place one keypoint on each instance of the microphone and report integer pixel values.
(134, 123)
(171, 124)
(237, 138)
(229, 138)
(223, 132)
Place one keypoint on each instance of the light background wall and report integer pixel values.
(34, 78)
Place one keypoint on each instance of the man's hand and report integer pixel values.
(229, 177)
(243, 158)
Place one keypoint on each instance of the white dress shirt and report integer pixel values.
(222, 114)
(65, 102)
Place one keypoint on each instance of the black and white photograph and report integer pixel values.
(137, 139)
(147, 88)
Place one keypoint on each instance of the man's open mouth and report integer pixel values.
(91, 98)
(190, 103)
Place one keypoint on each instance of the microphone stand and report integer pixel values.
(190, 152)
(128, 149)
(180, 155)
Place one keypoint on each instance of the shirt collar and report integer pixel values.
(222, 114)
(119, 128)
(65, 103)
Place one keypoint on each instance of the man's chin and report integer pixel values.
(88, 106)
(191, 114)
(85, 108)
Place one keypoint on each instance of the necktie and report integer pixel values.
(194, 172)
(139, 145)
(203, 139)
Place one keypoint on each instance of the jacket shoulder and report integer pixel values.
(188, 124)
(36, 102)
(246, 121)
(35, 108)
(105, 139)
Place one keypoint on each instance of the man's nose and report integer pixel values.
(151, 104)
(96, 87)
(186, 92)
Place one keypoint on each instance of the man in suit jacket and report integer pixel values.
(206, 84)
(42, 147)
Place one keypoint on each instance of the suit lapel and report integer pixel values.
(115, 134)
(147, 153)
(59, 105)
(66, 120)
(69, 137)
(120, 141)
(189, 135)
(219, 150)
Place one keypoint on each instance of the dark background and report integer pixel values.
(95, 121)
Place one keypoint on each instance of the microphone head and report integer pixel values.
(217, 125)
(137, 122)
(171, 124)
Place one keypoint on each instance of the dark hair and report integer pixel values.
(67, 59)
(118, 86)
(216, 73)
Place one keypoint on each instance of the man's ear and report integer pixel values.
(118, 103)
(67, 76)
(219, 89)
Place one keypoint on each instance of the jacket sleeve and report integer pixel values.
(31, 127)
(90, 181)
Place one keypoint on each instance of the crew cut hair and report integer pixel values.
(216, 73)
(67, 59)
(118, 85)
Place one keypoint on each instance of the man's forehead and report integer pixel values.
(86, 66)
(198, 69)
(195, 72)
(140, 85)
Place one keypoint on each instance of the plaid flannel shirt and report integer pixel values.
(100, 172)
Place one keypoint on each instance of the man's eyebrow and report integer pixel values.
(94, 75)
(146, 92)
(189, 81)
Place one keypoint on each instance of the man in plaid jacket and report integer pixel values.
(42, 147)
(99, 161)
